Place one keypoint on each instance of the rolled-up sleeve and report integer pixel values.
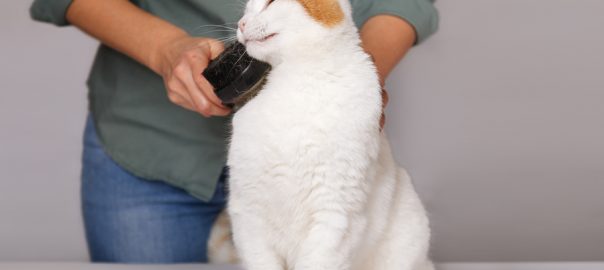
(51, 11)
(421, 14)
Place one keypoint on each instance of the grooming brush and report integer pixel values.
(236, 76)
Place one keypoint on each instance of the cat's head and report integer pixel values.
(273, 30)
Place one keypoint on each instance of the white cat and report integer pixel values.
(313, 184)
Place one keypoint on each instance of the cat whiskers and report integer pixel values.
(236, 62)
(219, 26)
(239, 5)
(229, 34)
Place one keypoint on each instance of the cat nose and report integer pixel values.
(242, 25)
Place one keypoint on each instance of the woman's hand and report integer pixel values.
(181, 62)
(164, 48)
(385, 100)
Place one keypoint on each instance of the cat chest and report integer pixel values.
(281, 132)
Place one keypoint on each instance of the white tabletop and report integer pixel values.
(89, 266)
(447, 266)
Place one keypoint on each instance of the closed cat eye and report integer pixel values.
(269, 2)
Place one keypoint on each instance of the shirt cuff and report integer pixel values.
(51, 11)
(421, 14)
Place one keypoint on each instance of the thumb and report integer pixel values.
(216, 48)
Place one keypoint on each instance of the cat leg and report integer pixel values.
(393, 256)
(326, 246)
(336, 207)
(336, 210)
(249, 236)
(406, 243)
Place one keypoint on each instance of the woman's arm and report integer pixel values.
(389, 28)
(164, 48)
(387, 39)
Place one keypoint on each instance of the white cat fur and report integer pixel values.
(313, 184)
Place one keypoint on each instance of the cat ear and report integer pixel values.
(326, 12)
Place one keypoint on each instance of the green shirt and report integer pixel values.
(151, 137)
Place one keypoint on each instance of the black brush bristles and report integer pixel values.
(235, 75)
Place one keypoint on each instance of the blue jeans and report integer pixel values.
(129, 219)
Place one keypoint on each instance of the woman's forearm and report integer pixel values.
(124, 27)
(164, 48)
(387, 38)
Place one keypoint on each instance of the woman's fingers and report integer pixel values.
(182, 74)
(202, 89)
(203, 103)
(216, 48)
(179, 96)
(202, 85)
(385, 100)
(184, 81)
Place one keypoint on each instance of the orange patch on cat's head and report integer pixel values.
(327, 12)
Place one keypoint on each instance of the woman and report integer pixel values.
(153, 171)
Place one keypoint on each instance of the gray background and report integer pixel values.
(498, 118)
